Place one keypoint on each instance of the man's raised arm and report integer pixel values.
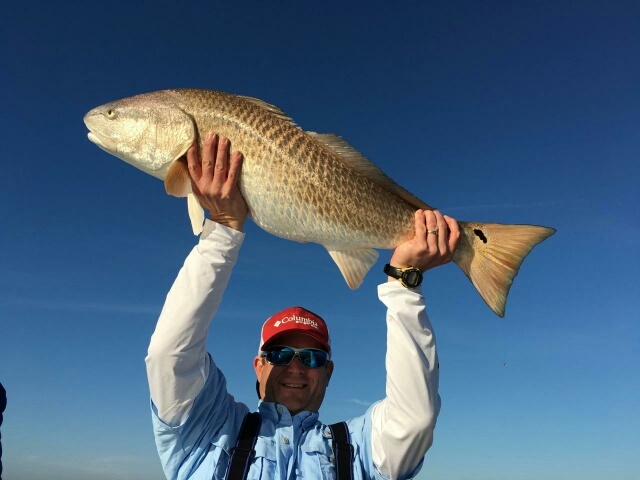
(177, 361)
(403, 423)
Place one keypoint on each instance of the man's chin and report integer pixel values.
(294, 401)
(294, 404)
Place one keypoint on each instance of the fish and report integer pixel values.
(299, 185)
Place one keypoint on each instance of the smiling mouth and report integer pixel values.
(293, 385)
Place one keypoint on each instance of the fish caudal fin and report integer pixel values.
(490, 254)
(196, 214)
(354, 264)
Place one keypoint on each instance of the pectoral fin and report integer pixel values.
(196, 213)
(354, 264)
(178, 184)
(176, 180)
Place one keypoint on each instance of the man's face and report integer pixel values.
(296, 387)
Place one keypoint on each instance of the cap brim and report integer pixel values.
(278, 340)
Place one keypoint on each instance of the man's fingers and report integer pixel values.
(221, 166)
(443, 245)
(208, 156)
(420, 225)
(235, 167)
(193, 163)
(454, 232)
(432, 229)
(419, 222)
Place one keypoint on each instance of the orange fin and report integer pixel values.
(177, 181)
(360, 164)
(196, 214)
(490, 254)
(354, 264)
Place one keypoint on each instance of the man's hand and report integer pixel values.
(214, 181)
(428, 249)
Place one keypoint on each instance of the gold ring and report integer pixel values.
(435, 232)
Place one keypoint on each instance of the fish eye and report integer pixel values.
(111, 113)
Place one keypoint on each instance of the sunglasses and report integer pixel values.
(310, 357)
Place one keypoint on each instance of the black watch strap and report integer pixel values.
(409, 277)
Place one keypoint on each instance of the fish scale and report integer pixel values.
(309, 184)
(299, 185)
(329, 191)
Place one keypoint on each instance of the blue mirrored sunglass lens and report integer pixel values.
(280, 357)
(312, 358)
(309, 358)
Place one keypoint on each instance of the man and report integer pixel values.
(3, 405)
(197, 422)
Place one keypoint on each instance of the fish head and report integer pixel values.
(149, 131)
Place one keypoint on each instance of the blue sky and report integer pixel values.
(512, 112)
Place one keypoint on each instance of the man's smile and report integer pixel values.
(293, 385)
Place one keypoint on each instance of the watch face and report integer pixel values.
(412, 278)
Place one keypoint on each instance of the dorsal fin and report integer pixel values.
(361, 164)
(271, 109)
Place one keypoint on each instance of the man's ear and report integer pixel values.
(258, 364)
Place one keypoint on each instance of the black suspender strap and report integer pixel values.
(242, 454)
(342, 451)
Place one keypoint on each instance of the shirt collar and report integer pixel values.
(280, 415)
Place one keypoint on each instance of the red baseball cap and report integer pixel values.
(295, 319)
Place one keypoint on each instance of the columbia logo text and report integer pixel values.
(297, 319)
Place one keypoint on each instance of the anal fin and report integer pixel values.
(354, 264)
(196, 214)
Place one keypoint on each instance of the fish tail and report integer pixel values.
(490, 254)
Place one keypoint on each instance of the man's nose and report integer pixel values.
(296, 364)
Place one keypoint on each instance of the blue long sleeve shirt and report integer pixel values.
(196, 421)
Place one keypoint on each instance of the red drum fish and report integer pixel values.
(299, 185)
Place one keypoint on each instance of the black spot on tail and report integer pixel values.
(480, 234)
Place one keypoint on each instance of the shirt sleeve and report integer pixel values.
(203, 441)
(177, 361)
(403, 423)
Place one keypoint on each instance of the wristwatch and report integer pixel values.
(409, 277)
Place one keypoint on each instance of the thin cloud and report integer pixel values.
(362, 403)
(549, 203)
(120, 467)
(69, 306)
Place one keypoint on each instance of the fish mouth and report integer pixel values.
(104, 143)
